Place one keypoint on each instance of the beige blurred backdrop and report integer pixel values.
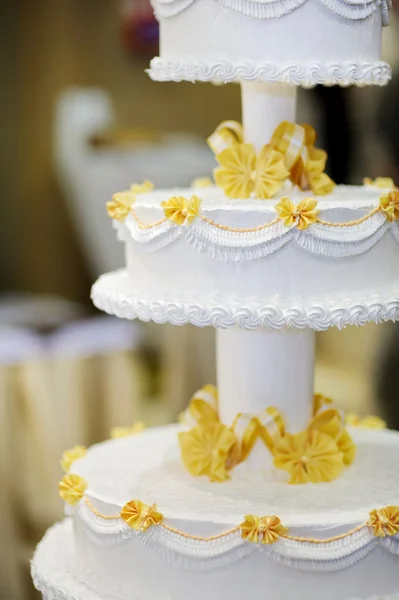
(48, 46)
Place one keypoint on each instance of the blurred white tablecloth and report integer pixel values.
(56, 390)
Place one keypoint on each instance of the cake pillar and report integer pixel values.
(262, 368)
(264, 106)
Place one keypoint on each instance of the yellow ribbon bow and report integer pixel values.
(305, 162)
(290, 154)
(226, 135)
(213, 449)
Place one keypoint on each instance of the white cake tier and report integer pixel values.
(226, 268)
(342, 561)
(301, 42)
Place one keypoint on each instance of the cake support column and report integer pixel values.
(264, 106)
(262, 368)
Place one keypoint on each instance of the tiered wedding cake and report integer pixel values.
(264, 490)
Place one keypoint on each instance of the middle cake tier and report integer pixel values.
(195, 246)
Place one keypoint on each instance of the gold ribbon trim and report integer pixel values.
(226, 135)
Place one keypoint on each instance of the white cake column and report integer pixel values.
(264, 106)
(262, 368)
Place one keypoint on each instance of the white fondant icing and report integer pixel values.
(300, 42)
(55, 575)
(322, 276)
(111, 557)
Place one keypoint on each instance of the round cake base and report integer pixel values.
(51, 569)
(115, 294)
(53, 574)
(328, 548)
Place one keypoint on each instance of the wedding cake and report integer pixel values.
(263, 489)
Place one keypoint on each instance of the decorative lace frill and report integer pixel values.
(271, 9)
(55, 575)
(199, 555)
(304, 75)
(229, 245)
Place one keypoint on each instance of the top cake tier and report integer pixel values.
(300, 42)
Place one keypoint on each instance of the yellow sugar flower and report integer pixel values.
(180, 210)
(368, 422)
(331, 423)
(347, 446)
(303, 215)
(120, 205)
(121, 432)
(71, 488)
(71, 455)
(385, 522)
(205, 450)
(201, 182)
(385, 183)
(371, 422)
(266, 530)
(243, 173)
(390, 205)
(309, 456)
(141, 516)
(142, 188)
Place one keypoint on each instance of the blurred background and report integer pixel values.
(80, 120)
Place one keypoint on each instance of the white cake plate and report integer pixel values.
(115, 294)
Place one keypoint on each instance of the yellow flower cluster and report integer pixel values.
(318, 454)
(121, 204)
(72, 488)
(290, 155)
(264, 530)
(390, 205)
(384, 183)
(121, 432)
(71, 455)
(368, 422)
(140, 516)
(385, 522)
(302, 215)
(243, 172)
(180, 210)
(205, 450)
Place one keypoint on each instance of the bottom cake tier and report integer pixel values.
(248, 537)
